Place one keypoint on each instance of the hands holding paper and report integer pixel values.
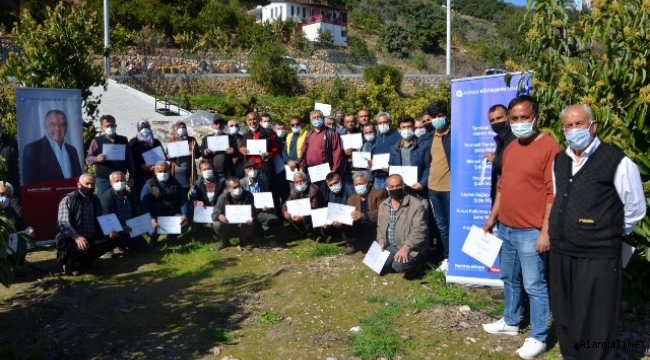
(101, 158)
(357, 215)
(295, 218)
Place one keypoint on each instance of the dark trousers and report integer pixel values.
(227, 231)
(138, 243)
(360, 235)
(399, 267)
(69, 253)
(585, 299)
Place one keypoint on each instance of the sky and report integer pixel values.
(517, 2)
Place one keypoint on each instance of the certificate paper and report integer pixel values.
(256, 147)
(263, 199)
(290, 173)
(482, 246)
(626, 254)
(340, 213)
(409, 173)
(238, 214)
(203, 215)
(380, 161)
(218, 143)
(156, 154)
(375, 258)
(360, 159)
(319, 172)
(169, 224)
(300, 207)
(319, 217)
(325, 108)
(178, 149)
(140, 225)
(352, 141)
(114, 152)
(109, 223)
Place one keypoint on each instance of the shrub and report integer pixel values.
(381, 73)
(269, 70)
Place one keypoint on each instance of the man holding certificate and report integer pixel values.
(335, 191)
(204, 194)
(80, 240)
(262, 157)
(182, 151)
(220, 149)
(322, 145)
(366, 201)
(234, 195)
(109, 153)
(410, 151)
(265, 217)
(164, 196)
(302, 190)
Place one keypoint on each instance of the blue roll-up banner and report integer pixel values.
(471, 138)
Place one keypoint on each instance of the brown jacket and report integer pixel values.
(410, 227)
(375, 197)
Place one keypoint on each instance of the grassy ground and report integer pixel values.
(297, 299)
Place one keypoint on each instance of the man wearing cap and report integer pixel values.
(221, 160)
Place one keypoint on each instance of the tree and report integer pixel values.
(325, 36)
(395, 39)
(270, 70)
(61, 52)
(600, 61)
(381, 73)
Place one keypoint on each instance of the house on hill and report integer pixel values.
(311, 18)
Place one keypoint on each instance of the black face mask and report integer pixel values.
(86, 191)
(499, 127)
(339, 121)
(397, 194)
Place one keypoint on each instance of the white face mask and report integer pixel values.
(254, 128)
(162, 177)
(419, 132)
(110, 131)
(4, 202)
(296, 129)
(369, 137)
(181, 131)
(207, 174)
(281, 133)
(237, 192)
(119, 186)
(383, 128)
(252, 174)
(266, 125)
(407, 134)
(218, 131)
(233, 130)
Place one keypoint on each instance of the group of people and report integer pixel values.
(561, 212)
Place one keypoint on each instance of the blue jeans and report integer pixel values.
(102, 185)
(440, 207)
(520, 262)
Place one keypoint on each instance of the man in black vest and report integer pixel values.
(263, 160)
(599, 199)
(80, 239)
(104, 151)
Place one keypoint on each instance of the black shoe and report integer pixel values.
(415, 273)
(498, 296)
(70, 270)
(222, 246)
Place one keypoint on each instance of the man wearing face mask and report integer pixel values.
(204, 193)
(234, 195)
(266, 123)
(600, 200)
(335, 190)
(6, 192)
(366, 200)
(142, 142)
(183, 168)
(439, 182)
(498, 116)
(163, 195)
(80, 240)
(97, 155)
(9, 152)
(421, 131)
(119, 201)
(322, 145)
(236, 140)
(383, 142)
(293, 145)
(340, 127)
(522, 206)
(222, 163)
(264, 161)
(265, 219)
(402, 229)
(330, 122)
(411, 151)
(303, 190)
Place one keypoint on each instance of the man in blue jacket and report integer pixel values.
(383, 142)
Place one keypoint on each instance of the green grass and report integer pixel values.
(219, 335)
(269, 317)
(377, 337)
(190, 259)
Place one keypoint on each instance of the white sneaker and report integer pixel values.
(501, 328)
(444, 266)
(531, 349)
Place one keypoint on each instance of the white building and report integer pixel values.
(311, 18)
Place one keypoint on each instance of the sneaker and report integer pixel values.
(500, 327)
(444, 266)
(531, 349)
(70, 270)
(108, 255)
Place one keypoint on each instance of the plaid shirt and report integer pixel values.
(392, 220)
(87, 228)
(123, 209)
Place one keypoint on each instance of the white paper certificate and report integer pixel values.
(319, 172)
(178, 149)
(290, 173)
(300, 207)
(278, 164)
(203, 215)
(627, 251)
(341, 213)
(482, 246)
(360, 159)
(140, 225)
(156, 154)
(256, 147)
(483, 168)
(319, 217)
(380, 161)
(325, 108)
(238, 214)
(375, 258)
(263, 199)
(169, 224)
(109, 223)
(352, 141)
(218, 143)
(409, 173)
(114, 152)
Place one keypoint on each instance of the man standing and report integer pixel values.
(322, 145)
(233, 195)
(256, 132)
(51, 158)
(383, 142)
(350, 126)
(236, 141)
(410, 151)
(498, 116)
(363, 117)
(340, 128)
(222, 163)
(293, 145)
(522, 206)
(600, 200)
(79, 240)
(9, 151)
(97, 155)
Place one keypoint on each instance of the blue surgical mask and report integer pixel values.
(110, 131)
(336, 188)
(4, 201)
(361, 189)
(579, 139)
(301, 187)
(318, 123)
(522, 130)
(439, 122)
(145, 132)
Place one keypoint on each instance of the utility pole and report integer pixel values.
(107, 40)
(448, 37)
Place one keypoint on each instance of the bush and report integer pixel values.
(381, 73)
(395, 39)
(269, 70)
